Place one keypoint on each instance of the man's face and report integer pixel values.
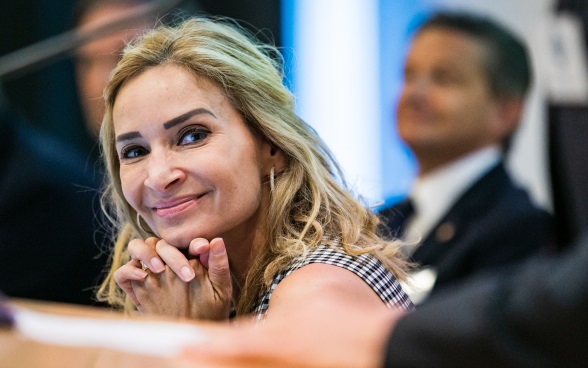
(96, 60)
(446, 108)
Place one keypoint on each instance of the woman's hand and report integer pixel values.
(176, 285)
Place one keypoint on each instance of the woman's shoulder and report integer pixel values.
(335, 255)
(365, 266)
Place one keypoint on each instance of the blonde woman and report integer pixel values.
(226, 202)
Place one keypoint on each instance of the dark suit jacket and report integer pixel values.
(492, 225)
(49, 214)
(534, 315)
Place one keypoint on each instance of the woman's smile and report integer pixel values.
(176, 207)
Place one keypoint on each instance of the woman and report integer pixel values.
(235, 196)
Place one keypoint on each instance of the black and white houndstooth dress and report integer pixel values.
(366, 266)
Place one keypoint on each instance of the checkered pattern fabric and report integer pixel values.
(366, 266)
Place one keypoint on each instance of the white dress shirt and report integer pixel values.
(433, 195)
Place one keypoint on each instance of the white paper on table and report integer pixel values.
(153, 338)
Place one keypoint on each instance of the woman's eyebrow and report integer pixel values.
(128, 136)
(180, 119)
(168, 124)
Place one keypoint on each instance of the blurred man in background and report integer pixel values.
(95, 60)
(465, 82)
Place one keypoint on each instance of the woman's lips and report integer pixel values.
(173, 209)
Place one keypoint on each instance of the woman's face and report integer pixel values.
(188, 163)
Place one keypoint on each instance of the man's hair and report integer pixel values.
(506, 61)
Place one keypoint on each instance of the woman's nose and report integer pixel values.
(162, 171)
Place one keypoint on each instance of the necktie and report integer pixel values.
(398, 216)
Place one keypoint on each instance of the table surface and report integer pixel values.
(18, 351)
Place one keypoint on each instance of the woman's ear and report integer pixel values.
(273, 157)
(278, 159)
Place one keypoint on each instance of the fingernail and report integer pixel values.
(199, 248)
(218, 250)
(187, 273)
(199, 243)
(139, 273)
(156, 265)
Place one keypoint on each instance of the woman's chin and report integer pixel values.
(181, 239)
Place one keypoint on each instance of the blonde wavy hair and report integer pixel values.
(310, 204)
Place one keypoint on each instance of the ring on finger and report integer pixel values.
(144, 267)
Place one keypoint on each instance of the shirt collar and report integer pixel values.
(435, 193)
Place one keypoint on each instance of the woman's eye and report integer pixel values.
(133, 152)
(193, 135)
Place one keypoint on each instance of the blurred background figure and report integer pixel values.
(48, 232)
(465, 81)
(95, 60)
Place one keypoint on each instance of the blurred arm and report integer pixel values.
(534, 315)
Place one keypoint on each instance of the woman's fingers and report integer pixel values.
(200, 248)
(142, 252)
(212, 289)
(185, 287)
(145, 252)
(175, 260)
(156, 254)
(218, 266)
(124, 277)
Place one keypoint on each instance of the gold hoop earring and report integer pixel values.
(139, 223)
(272, 180)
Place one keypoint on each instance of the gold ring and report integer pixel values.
(144, 266)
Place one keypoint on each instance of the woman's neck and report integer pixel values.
(241, 255)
